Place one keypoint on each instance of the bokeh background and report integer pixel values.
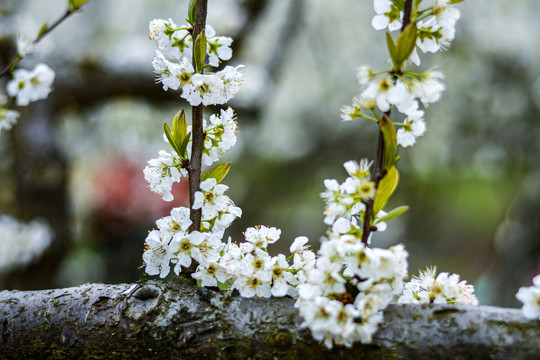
(472, 181)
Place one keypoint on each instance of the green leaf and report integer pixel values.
(400, 4)
(390, 141)
(43, 29)
(170, 138)
(179, 129)
(76, 4)
(200, 51)
(393, 214)
(386, 188)
(405, 43)
(391, 48)
(191, 11)
(218, 172)
(183, 147)
(452, 2)
(222, 286)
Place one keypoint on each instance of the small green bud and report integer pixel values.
(43, 29)
(76, 4)
(179, 129)
(200, 51)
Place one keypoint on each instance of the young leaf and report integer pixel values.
(391, 49)
(76, 4)
(400, 4)
(191, 11)
(386, 188)
(179, 128)
(200, 51)
(222, 286)
(390, 141)
(183, 146)
(218, 172)
(170, 138)
(394, 213)
(405, 43)
(43, 29)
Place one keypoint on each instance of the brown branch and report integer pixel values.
(406, 14)
(379, 171)
(197, 144)
(180, 321)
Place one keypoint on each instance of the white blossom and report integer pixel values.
(157, 256)
(22, 243)
(443, 288)
(161, 173)
(8, 118)
(530, 297)
(29, 86)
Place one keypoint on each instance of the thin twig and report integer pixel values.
(42, 34)
(379, 171)
(195, 165)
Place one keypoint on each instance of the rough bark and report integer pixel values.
(178, 320)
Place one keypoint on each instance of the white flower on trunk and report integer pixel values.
(157, 256)
(444, 288)
(530, 297)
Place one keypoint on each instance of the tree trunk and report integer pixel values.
(178, 320)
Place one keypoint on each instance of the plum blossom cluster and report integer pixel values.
(22, 243)
(433, 29)
(342, 301)
(345, 294)
(345, 202)
(444, 288)
(170, 167)
(436, 24)
(381, 93)
(26, 86)
(530, 297)
(246, 267)
(249, 268)
(175, 70)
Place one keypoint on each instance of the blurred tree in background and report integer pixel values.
(473, 181)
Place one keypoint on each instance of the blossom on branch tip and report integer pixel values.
(444, 288)
(157, 256)
(29, 86)
(24, 45)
